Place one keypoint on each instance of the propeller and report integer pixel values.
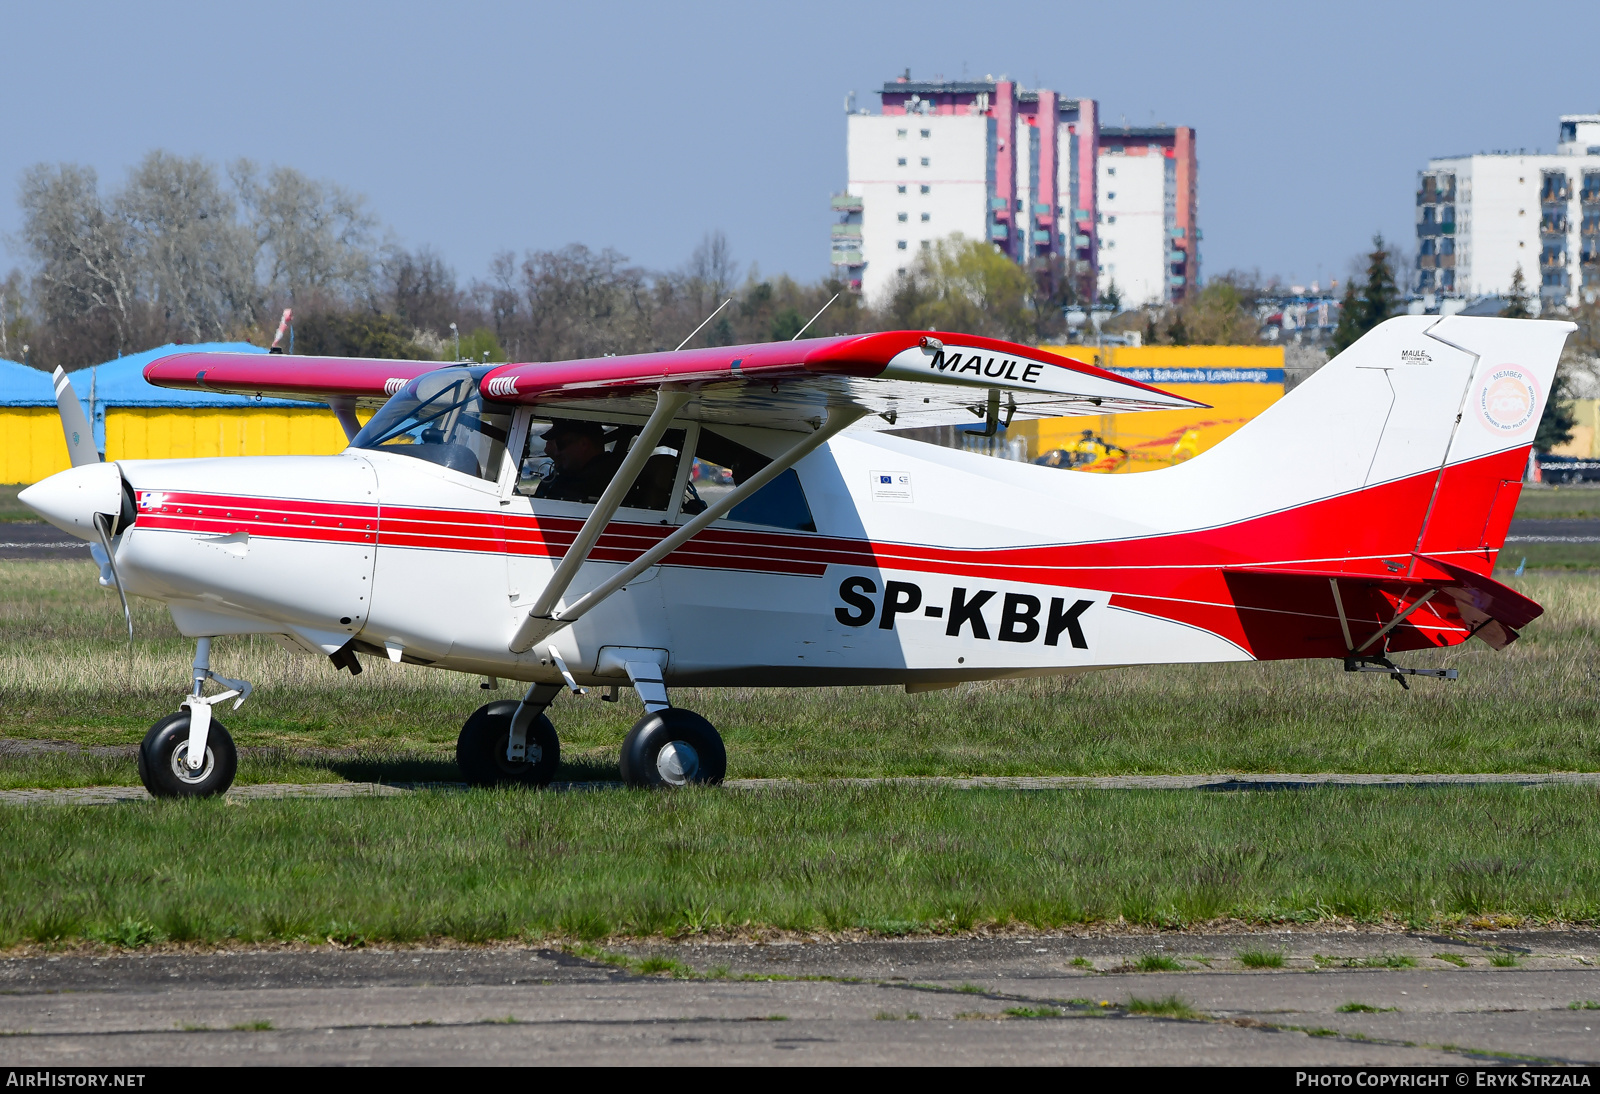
(74, 423)
(81, 450)
(103, 525)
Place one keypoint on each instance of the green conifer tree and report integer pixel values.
(1517, 301)
(1555, 426)
(1380, 295)
(1367, 303)
(1349, 327)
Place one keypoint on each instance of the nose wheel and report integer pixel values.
(673, 747)
(164, 760)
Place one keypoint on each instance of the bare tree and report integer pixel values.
(315, 237)
(196, 261)
(712, 270)
(500, 299)
(85, 268)
(583, 304)
(13, 315)
(419, 288)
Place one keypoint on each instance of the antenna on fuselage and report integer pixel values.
(814, 318)
(702, 326)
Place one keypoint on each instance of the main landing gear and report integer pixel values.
(673, 747)
(483, 747)
(190, 754)
(513, 742)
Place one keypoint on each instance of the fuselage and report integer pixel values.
(1362, 514)
(927, 566)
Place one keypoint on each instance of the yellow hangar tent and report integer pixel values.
(134, 420)
(1236, 382)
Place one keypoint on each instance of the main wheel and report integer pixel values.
(481, 748)
(164, 760)
(673, 747)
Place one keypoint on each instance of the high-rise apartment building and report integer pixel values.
(1147, 221)
(1029, 171)
(1481, 217)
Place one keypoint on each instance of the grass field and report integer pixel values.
(1549, 556)
(11, 508)
(889, 859)
(1559, 502)
(65, 674)
(511, 864)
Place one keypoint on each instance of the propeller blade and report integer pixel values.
(102, 524)
(74, 423)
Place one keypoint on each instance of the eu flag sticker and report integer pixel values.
(892, 486)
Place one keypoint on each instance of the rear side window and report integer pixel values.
(721, 463)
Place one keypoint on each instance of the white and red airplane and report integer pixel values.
(737, 516)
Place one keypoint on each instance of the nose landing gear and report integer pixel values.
(189, 754)
(164, 760)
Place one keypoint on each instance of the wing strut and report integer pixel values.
(540, 625)
(668, 402)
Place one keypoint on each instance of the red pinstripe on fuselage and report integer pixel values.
(1188, 577)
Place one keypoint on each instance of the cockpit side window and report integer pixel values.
(721, 463)
(441, 417)
(567, 459)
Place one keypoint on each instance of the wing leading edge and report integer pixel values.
(902, 378)
(370, 381)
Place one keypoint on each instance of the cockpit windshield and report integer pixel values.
(441, 417)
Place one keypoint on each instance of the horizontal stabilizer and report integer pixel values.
(1495, 612)
(1490, 610)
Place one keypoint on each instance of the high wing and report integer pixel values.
(369, 381)
(900, 378)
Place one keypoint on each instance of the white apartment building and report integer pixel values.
(1138, 215)
(1017, 168)
(915, 179)
(1481, 217)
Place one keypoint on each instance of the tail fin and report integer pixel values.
(1430, 420)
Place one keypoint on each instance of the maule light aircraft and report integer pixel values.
(739, 516)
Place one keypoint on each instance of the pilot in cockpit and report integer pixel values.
(583, 467)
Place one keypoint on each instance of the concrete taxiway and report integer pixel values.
(891, 1001)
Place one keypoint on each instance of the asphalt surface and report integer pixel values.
(892, 1002)
(19, 539)
(29, 540)
(1554, 531)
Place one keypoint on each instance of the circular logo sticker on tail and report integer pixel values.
(1508, 399)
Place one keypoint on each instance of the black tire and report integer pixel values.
(643, 762)
(481, 748)
(163, 766)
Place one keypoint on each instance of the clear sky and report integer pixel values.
(477, 127)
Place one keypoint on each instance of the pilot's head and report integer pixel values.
(572, 445)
